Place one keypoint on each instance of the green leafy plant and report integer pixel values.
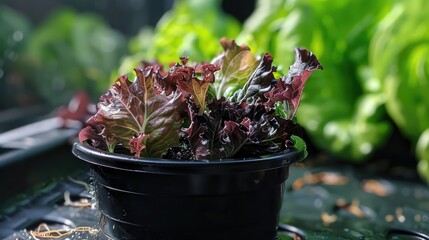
(14, 32)
(153, 114)
(72, 51)
(403, 72)
(343, 113)
(191, 28)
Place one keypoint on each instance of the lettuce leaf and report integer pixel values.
(236, 64)
(403, 71)
(138, 116)
(214, 135)
(246, 124)
(289, 89)
(160, 109)
(259, 82)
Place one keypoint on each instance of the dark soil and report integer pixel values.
(182, 152)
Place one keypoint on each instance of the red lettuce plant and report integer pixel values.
(232, 107)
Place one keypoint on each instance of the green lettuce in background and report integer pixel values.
(343, 107)
(376, 73)
(399, 56)
(191, 28)
(71, 52)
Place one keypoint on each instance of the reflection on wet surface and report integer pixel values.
(319, 203)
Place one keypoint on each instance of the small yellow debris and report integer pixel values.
(327, 218)
(326, 178)
(44, 232)
(341, 203)
(375, 187)
(389, 218)
(82, 203)
(399, 215)
(353, 207)
(417, 217)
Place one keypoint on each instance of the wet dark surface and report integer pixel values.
(319, 203)
(355, 205)
(63, 205)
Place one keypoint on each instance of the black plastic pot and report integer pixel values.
(144, 198)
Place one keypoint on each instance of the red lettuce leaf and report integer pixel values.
(147, 116)
(195, 87)
(213, 135)
(259, 82)
(138, 116)
(246, 124)
(184, 79)
(289, 88)
(90, 134)
(233, 129)
(269, 134)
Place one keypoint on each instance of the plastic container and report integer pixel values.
(144, 198)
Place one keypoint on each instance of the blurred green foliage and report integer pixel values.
(191, 28)
(14, 32)
(342, 107)
(15, 28)
(375, 55)
(71, 52)
(399, 55)
(400, 59)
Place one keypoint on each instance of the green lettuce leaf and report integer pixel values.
(403, 71)
(236, 64)
(399, 60)
(422, 151)
(191, 28)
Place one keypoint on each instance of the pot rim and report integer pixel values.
(96, 156)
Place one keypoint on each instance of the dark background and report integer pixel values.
(127, 16)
